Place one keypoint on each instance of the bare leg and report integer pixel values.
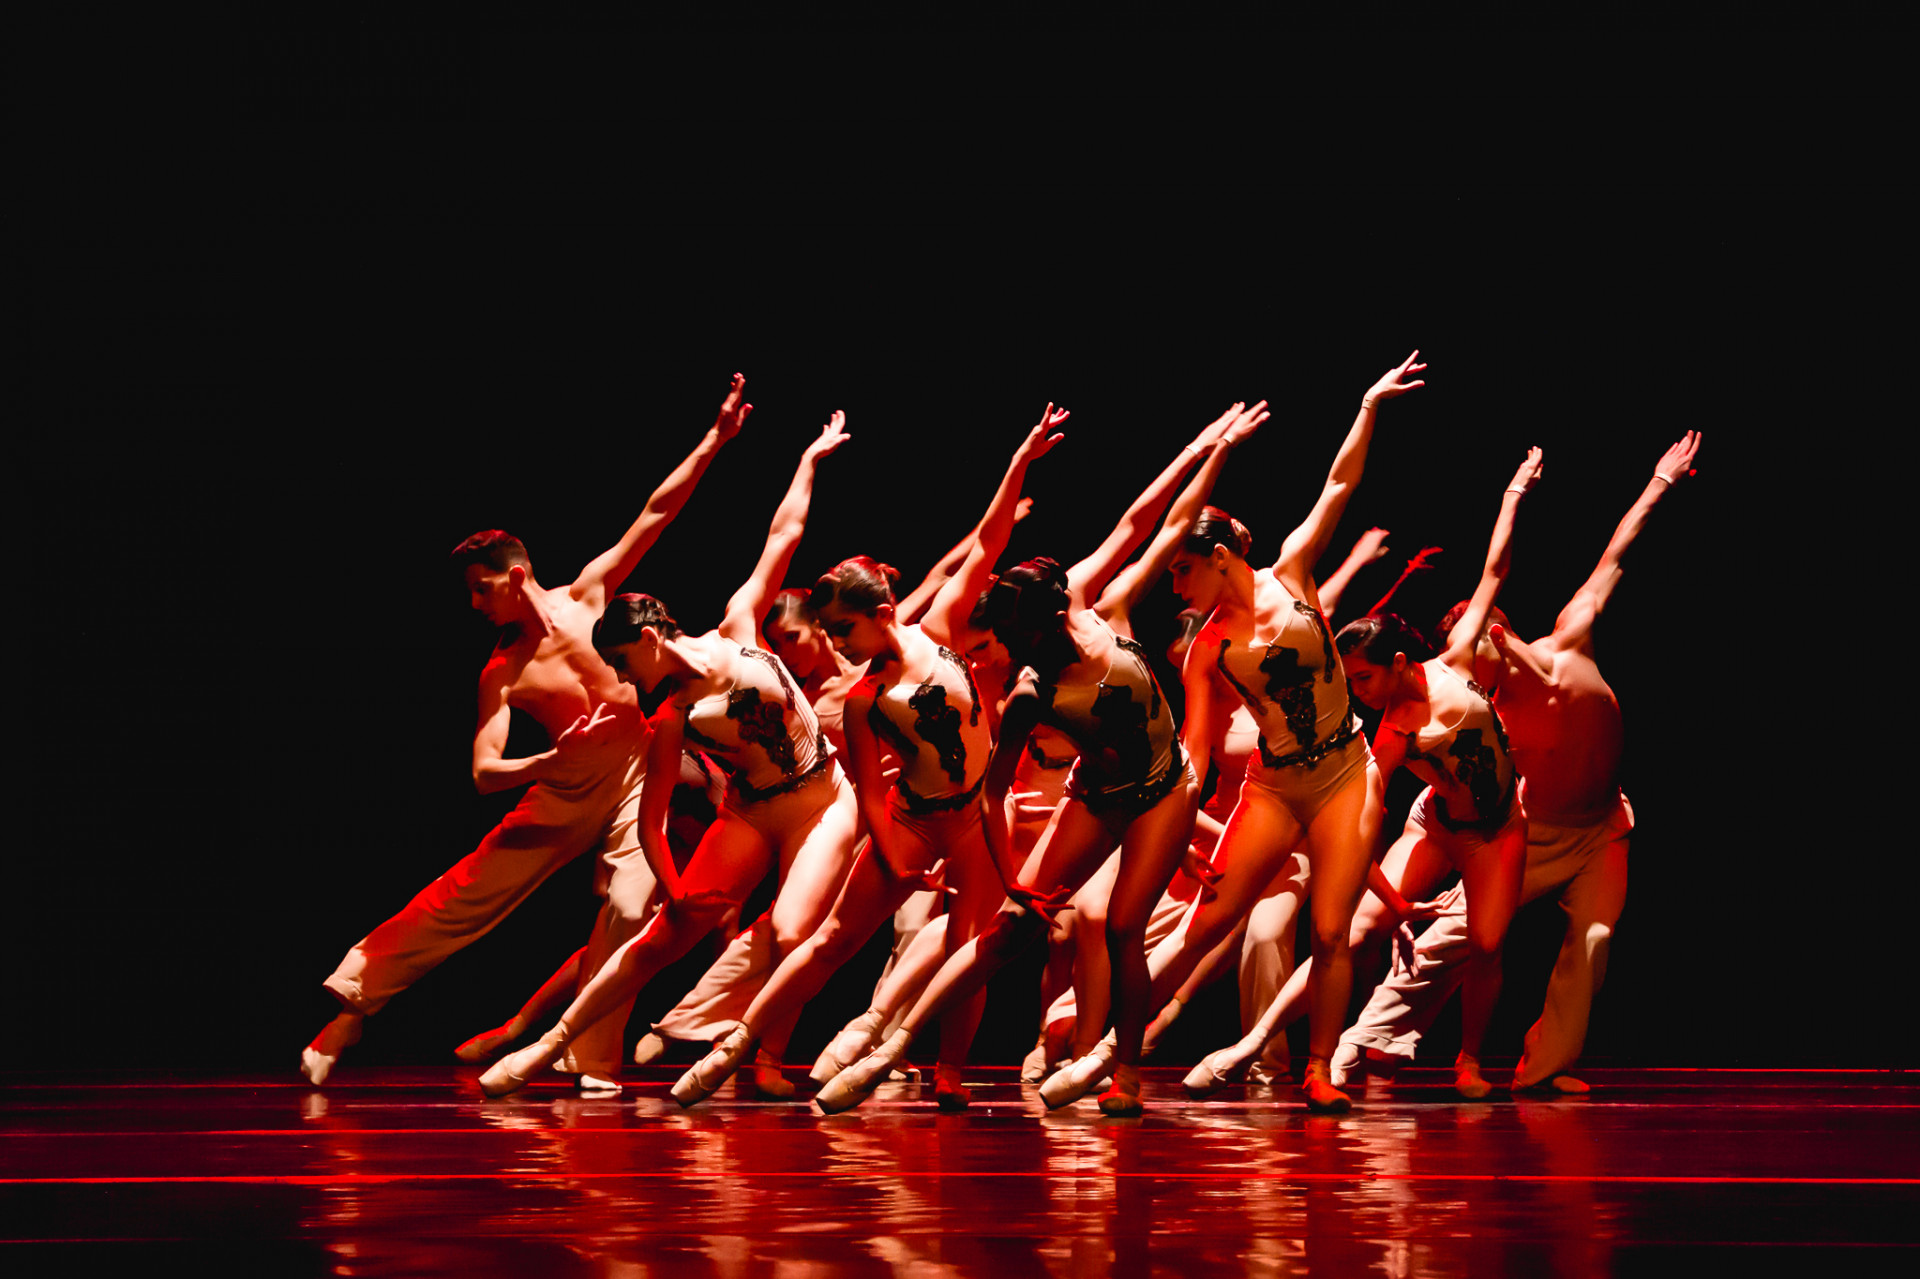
(1493, 876)
(1092, 975)
(1341, 841)
(552, 995)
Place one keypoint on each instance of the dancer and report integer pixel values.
(1564, 732)
(786, 796)
(1439, 722)
(1131, 786)
(545, 665)
(1312, 779)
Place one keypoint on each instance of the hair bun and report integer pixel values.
(889, 572)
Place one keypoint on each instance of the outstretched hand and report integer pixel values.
(1394, 381)
(1023, 509)
(932, 879)
(1043, 437)
(1529, 473)
(1212, 431)
(733, 413)
(1046, 905)
(1199, 866)
(832, 436)
(1371, 546)
(1678, 460)
(588, 730)
(1245, 423)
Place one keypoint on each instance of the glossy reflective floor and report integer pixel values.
(412, 1173)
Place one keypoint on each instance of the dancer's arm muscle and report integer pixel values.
(741, 623)
(1574, 627)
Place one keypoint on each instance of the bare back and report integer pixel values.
(1564, 731)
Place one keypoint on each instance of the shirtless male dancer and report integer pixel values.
(544, 664)
(1564, 736)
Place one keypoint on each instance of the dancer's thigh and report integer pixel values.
(1150, 852)
(1071, 849)
(1493, 875)
(816, 854)
(731, 859)
(1341, 842)
(1598, 893)
(1260, 839)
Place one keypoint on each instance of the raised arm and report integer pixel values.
(741, 622)
(1574, 627)
(1419, 563)
(1305, 545)
(616, 564)
(1465, 636)
(1117, 602)
(955, 596)
(1088, 579)
(1371, 546)
(914, 606)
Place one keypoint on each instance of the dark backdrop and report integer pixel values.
(289, 339)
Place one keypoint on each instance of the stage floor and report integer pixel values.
(411, 1172)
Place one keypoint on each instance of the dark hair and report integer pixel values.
(1453, 615)
(861, 584)
(1025, 601)
(1216, 528)
(789, 606)
(494, 548)
(626, 616)
(1379, 636)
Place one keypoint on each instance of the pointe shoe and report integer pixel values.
(592, 1085)
(856, 1083)
(1218, 1069)
(1322, 1097)
(1158, 1027)
(768, 1080)
(650, 1049)
(853, 1042)
(488, 1043)
(714, 1069)
(1079, 1077)
(511, 1072)
(948, 1092)
(1467, 1079)
(1122, 1099)
(317, 1058)
(1033, 1068)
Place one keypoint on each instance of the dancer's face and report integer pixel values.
(1197, 579)
(494, 594)
(637, 662)
(856, 636)
(1371, 684)
(799, 644)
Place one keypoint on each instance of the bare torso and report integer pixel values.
(1564, 732)
(558, 677)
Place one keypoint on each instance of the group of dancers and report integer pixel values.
(990, 762)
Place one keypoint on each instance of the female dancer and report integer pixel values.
(786, 795)
(1131, 786)
(1312, 779)
(1440, 723)
(920, 697)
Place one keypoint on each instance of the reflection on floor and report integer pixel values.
(410, 1172)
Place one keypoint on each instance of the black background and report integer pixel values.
(302, 311)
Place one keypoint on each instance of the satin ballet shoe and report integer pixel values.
(853, 1042)
(1033, 1067)
(592, 1085)
(650, 1049)
(1554, 1086)
(1322, 1097)
(1221, 1068)
(767, 1080)
(489, 1043)
(1467, 1079)
(1122, 1099)
(856, 1083)
(1158, 1026)
(317, 1058)
(511, 1072)
(715, 1068)
(1079, 1077)
(948, 1092)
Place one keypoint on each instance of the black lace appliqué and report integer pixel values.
(884, 727)
(1146, 672)
(1123, 728)
(938, 723)
(764, 724)
(966, 673)
(1329, 662)
(1290, 687)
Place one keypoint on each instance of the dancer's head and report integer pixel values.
(495, 568)
(794, 635)
(855, 605)
(1376, 651)
(1199, 569)
(1027, 611)
(630, 636)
